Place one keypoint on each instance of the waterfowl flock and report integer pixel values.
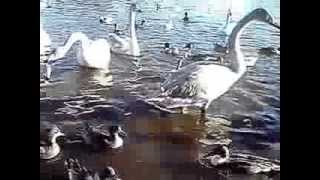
(197, 84)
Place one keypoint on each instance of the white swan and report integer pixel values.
(230, 24)
(45, 41)
(128, 45)
(45, 45)
(206, 81)
(93, 54)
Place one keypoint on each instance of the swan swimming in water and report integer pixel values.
(91, 53)
(128, 45)
(230, 24)
(45, 43)
(203, 82)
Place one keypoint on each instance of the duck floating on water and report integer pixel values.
(76, 171)
(186, 18)
(238, 162)
(49, 148)
(269, 51)
(170, 50)
(99, 140)
(105, 20)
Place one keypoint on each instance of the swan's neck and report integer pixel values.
(133, 42)
(228, 19)
(132, 24)
(237, 59)
(85, 42)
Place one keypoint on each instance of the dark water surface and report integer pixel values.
(160, 147)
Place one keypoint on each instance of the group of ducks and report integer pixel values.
(202, 81)
(94, 138)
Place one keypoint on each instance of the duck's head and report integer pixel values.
(186, 14)
(188, 46)
(142, 22)
(108, 172)
(166, 45)
(263, 15)
(117, 130)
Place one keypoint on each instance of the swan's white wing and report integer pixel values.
(201, 80)
(97, 55)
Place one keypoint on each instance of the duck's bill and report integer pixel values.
(275, 25)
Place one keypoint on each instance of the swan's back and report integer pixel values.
(206, 80)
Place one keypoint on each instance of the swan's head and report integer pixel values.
(229, 12)
(263, 15)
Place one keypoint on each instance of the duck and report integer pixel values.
(117, 31)
(239, 162)
(202, 82)
(269, 51)
(76, 171)
(186, 18)
(127, 45)
(140, 25)
(91, 53)
(49, 148)
(105, 20)
(112, 139)
(170, 50)
(219, 155)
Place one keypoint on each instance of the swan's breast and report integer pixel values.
(97, 55)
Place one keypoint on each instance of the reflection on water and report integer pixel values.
(160, 147)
